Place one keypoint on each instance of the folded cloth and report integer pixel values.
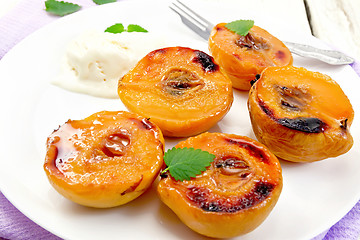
(25, 18)
(348, 228)
(14, 225)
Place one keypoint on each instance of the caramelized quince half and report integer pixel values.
(180, 89)
(300, 115)
(234, 195)
(104, 160)
(242, 57)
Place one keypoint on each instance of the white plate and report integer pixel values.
(314, 196)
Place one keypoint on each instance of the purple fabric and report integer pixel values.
(25, 18)
(14, 225)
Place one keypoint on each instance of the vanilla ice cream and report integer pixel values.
(95, 61)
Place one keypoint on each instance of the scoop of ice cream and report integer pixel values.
(95, 61)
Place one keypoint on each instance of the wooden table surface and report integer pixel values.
(336, 22)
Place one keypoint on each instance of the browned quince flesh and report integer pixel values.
(234, 195)
(104, 160)
(300, 115)
(242, 57)
(180, 89)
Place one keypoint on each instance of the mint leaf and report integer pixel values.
(240, 27)
(99, 2)
(185, 163)
(135, 28)
(60, 8)
(119, 28)
(116, 28)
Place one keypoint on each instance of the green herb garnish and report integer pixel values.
(116, 28)
(99, 2)
(240, 27)
(61, 8)
(185, 163)
(135, 28)
(119, 28)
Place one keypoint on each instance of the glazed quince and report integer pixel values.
(300, 115)
(236, 192)
(242, 57)
(104, 160)
(180, 89)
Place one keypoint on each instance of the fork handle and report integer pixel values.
(328, 56)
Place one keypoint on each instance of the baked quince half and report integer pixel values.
(300, 115)
(242, 57)
(104, 160)
(234, 195)
(180, 89)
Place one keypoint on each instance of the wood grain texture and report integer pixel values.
(337, 22)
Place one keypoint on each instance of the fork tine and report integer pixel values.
(185, 16)
(195, 15)
(200, 25)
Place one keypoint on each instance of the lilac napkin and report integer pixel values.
(25, 18)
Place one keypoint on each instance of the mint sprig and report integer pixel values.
(240, 27)
(185, 163)
(119, 28)
(99, 2)
(61, 8)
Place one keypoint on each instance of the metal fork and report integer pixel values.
(203, 27)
